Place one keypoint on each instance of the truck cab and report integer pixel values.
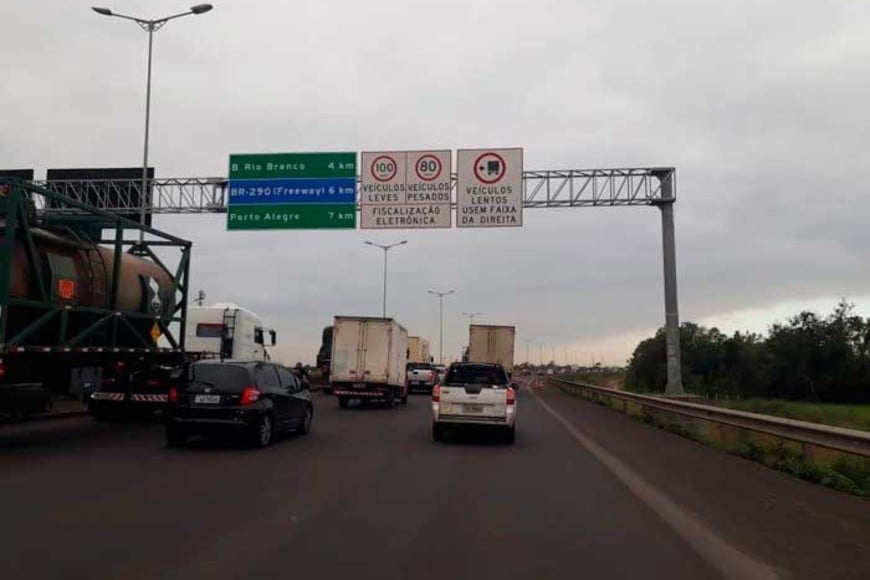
(227, 331)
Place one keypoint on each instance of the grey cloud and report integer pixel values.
(760, 106)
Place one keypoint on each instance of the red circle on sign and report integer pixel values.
(437, 173)
(478, 169)
(391, 175)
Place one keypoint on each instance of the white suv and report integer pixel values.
(475, 394)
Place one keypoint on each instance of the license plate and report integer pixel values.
(207, 399)
(471, 409)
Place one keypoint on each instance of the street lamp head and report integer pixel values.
(103, 11)
(201, 8)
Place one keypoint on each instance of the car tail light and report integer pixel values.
(173, 394)
(436, 394)
(153, 382)
(120, 365)
(511, 396)
(2, 368)
(249, 395)
(431, 374)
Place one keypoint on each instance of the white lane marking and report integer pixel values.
(727, 560)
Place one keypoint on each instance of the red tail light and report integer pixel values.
(431, 374)
(153, 382)
(2, 368)
(120, 365)
(249, 395)
(173, 394)
(436, 394)
(511, 396)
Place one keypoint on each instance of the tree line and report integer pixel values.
(807, 358)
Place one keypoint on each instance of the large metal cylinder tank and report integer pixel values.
(80, 272)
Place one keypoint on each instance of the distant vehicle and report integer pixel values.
(225, 330)
(251, 399)
(324, 358)
(492, 344)
(422, 376)
(418, 350)
(441, 373)
(475, 394)
(368, 360)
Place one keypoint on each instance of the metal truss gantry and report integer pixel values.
(647, 186)
(551, 188)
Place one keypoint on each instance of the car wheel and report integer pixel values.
(175, 436)
(437, 432)
(404, 399)
(510, 435)
(342, 402)
(391, 400)
(305, 426)
(263, 431)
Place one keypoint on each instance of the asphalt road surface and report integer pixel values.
(584, 493)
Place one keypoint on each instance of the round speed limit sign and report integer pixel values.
(384, 168)
(428, 168)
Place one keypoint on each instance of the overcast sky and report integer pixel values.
(762, 106)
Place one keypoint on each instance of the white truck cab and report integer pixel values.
(227, 330)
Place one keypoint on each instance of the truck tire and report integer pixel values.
(342, 402)
(510, 435)
(391, 399)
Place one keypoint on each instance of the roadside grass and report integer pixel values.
(839, 471)
(848, 416)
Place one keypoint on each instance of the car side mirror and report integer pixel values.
(273, 336)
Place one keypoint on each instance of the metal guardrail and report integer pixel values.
(849, 441)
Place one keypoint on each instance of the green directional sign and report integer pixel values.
(284, 191)
(289, 165)
(292, 216)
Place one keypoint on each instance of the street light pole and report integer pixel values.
(441, 296)
(150, 26)
(385, 248)
(471, 316)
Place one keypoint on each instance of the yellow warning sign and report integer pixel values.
(155, 333)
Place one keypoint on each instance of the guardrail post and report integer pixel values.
(669, 254)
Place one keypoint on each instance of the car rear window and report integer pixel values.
(226, 378)
(476, 375)
(420, 366)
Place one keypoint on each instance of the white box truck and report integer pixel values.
(418, 350)
(368, 360)
(489, 343)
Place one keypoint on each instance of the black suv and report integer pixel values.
(252, 399)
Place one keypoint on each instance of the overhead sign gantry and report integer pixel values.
(617, 187)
